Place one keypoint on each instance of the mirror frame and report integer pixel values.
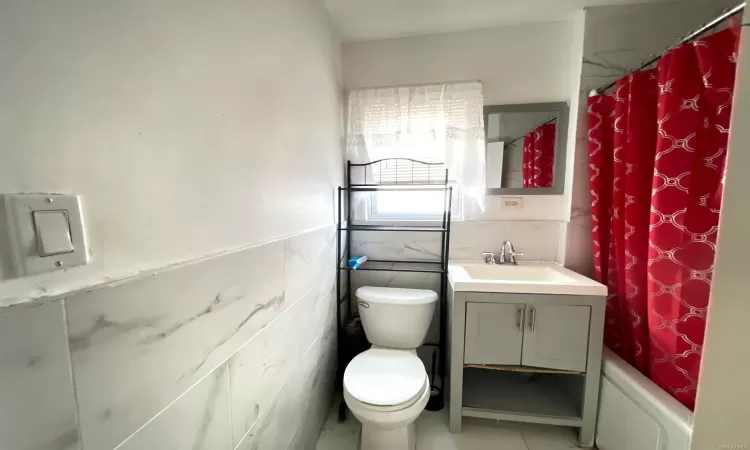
(561, 143)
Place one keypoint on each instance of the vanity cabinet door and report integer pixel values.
(556, 337)
(494, 333)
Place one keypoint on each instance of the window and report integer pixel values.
(440, 123)
(420, 204)
(417, 205)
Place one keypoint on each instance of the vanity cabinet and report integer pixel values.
(526, 358)
(493, 333)
(518, 334)
(556, 337)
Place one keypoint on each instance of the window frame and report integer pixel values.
(373, 215)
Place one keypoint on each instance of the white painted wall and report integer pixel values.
(722, 415)
(574, 125)
(189, 127)
(517, 64)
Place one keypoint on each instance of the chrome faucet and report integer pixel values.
(508, 254)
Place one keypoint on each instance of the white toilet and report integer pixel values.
(387, 387)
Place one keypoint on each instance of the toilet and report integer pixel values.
(387, 387)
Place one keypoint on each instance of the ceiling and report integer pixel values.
(359, 20)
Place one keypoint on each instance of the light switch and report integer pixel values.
(42, 232)
(52, 232)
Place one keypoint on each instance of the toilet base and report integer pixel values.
(376, 438)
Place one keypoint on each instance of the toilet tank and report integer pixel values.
(395, 317)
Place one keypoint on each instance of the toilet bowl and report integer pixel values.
(386, 390)
(387, 387)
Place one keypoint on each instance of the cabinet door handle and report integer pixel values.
(519, 318)
(532, 319)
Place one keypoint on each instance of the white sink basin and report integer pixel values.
(541, 274)
(532, 278)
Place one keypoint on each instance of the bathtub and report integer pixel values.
(636, 414)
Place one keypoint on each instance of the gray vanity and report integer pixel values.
(525, 345)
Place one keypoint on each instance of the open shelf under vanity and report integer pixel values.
(538, 397)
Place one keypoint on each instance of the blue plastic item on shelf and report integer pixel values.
(357, 261)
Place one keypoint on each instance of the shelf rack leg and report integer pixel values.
(444, 289)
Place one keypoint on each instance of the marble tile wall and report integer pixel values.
(198, 419)
(190, 357)
(37, 408)
(537, 239)
(294, 413)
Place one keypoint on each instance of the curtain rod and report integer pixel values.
(413, 85)
(525, 134)
(726, 14)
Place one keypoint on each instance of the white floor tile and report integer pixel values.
(550, 438)
(339, 436)
(433, 434)
(538, 437)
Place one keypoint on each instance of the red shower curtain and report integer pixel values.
(657, 147)
(539, 157)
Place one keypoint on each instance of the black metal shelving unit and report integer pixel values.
(401, 174)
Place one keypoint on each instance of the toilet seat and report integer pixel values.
(386, 379)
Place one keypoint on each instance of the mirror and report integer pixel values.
(526, 145)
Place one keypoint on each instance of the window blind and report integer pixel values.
(404, 171)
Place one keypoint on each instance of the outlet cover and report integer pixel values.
(512, 203)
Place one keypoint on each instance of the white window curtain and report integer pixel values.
(431, 123)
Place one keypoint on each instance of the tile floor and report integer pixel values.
(433, 434)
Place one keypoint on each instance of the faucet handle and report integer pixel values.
(512, 256)
(489, 258)
(509, 253)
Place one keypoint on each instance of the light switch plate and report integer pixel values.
(24, 242)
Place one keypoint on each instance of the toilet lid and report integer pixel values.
(385, 377)
(396, 296)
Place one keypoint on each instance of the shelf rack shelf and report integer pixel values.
(395, 174)
(394, 187)
(426, 229)
(399, 266)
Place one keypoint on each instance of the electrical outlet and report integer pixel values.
(512, 203)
